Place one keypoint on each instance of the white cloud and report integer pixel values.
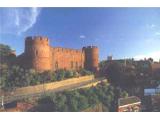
(157, 33)
(155, 55)
(151, 26)
(18, 20)
(82, 36)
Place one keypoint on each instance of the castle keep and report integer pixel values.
(39, 55)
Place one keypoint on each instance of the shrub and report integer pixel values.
(93, 100)
(124, 94)
(82, 103)
(69, 74)
(85, 72)
(81, 99)
(15, 76)
(76, 74)
(60, 103)
(3, 74)
(60, 74)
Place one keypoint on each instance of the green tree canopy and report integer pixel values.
(6, 55)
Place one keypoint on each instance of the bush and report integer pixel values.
(76, 74)
(81, 99)
(69, 74)
(6, 55)
(93, 100)
(82, 103)
(15, 76)
(60, 74)
(124, 94)
(85, 72)
(3, 74)
(60, 103)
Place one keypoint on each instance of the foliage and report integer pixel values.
(6, 54)
(85, 72)
(102, 67)
(60, 74)
(5, 50)
(69, 74)
(3, 74)
(124, 94)
(80, 99)
(129, 73)
(120, 75)
(115, 73)
(14, 76)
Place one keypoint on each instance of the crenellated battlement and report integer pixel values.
(38, 51)
(41, 56)
(66, 50)
(36, 40)
(90, 47)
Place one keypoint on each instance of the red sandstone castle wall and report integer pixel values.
(37, 53)
(155, 66)
(64, 58)
(91, 58)
(40, 56)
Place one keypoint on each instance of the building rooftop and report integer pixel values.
(152, 91)
(128, 100)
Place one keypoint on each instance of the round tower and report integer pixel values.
(37, 52)
(91, 58)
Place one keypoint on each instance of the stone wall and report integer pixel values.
(91, 58)
(155, 66)
(65, 58)
(40, 56)
(50, 86)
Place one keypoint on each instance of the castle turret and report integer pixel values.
(91, 58)
(37, 52)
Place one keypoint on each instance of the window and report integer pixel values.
(80, 67)
(56, 65)
(76, 65)
(36, 52)
(71, 64)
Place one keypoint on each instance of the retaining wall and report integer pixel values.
(50, 86)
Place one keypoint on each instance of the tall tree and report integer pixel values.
(6, 55)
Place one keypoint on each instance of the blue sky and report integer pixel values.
(122, 32)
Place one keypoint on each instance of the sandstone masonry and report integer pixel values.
(39, 55)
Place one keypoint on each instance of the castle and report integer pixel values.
(39, 55)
